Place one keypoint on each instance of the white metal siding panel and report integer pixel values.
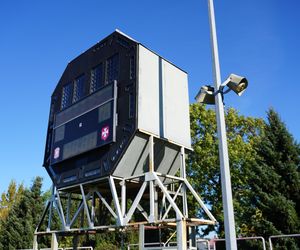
(148, 91)
(134, 159)
(176, 105)
(163, 103)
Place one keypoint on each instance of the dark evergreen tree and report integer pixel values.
(18, 229)
(264, 165)
(8, 198)
(281, 153)
(275, 183)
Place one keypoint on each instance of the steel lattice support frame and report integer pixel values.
(148, 187)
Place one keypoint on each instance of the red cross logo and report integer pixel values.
(105, 133)
(56, 153)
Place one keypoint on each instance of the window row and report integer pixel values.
(74, 91)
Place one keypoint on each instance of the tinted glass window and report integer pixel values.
(105, 112)
(78, 88)
(96, 78)
(59, 133)
(111, 69)
(66, 98)
(132, 68)
(131, 105)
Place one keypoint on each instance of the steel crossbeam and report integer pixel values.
(155, 196)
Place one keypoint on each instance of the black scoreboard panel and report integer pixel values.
(86, 125)
(93, 112)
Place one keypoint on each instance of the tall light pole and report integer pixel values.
(229, 223)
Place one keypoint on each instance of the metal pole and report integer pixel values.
(151, 183)
(50, 208)
(181, 234)
(54, 243)
(86, 208)
(141, 237)
(123, 197)
(223, 149)
(68, 209)
(35, 242)
(183, 189)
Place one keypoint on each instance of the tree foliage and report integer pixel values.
(9, 198)
(18, 228)
(264, 165)
(203, 164)
(275, 182)
(265, 176)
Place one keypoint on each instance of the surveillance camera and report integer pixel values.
(237, 83)
(206, 95)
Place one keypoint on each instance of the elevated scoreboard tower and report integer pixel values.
(119, 130)
(107, 102)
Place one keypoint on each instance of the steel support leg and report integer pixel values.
(141, 237)
(68, 210)
(86, 208)
(116, 200)
(54, 242)
(35, 243)
(75, 242)
(181, 235)
(51, 206)
(93, 215)
(183, 189)
(60, 210)
(192, 238)
(123, 197)
(151, 183)
(152, 205)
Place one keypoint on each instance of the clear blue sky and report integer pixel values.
(258, 39)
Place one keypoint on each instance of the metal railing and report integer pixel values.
(281, 236)
(82, 248)
(203, 241)
(40, 249)
(213, 241)
(170, 245)
(66, 248)
(159, 245)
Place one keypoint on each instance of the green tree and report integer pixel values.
(18, 229)
(264, 165)
(203, 163)
(281, 153)
(9, 198)
(275, 183)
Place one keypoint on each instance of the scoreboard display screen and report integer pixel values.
(86, 125)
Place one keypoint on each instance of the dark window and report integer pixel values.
(111, 69)
(80, 145)
(132, 68)
(59, 134)
(92, 172)
(123, 42)
(105, 112)
(78, 88)
(66, 98)
(131, 105)
(96, 78)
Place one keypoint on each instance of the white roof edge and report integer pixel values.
(122, 33)
(163, 58)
